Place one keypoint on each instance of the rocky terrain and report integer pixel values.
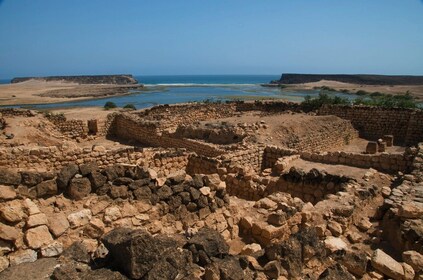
(90, 79)
(212, 191)
(351, 79)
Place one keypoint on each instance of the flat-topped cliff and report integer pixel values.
(351, 79)
(85, 79)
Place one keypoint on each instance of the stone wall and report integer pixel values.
(271, 155)
(386, 162)
(170, 116)
(202, 165)
(252, 157)
(310, 186)
(373, 122)
(131, 127)
(268, 106)
(52, 158)
(69, 128)
(14, 112)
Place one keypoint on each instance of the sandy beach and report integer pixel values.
(37, 92)
(416, 91)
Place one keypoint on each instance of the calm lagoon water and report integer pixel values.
(181, 89)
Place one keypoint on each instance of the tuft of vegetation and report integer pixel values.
(388, 100)
(110, 105)
(312, 104)
(130, 107)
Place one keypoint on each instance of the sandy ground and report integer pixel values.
(36, 92)
(416, 91)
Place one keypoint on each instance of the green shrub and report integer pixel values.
(110, 105)
(311, 104)
(130, 106)
(388, 101)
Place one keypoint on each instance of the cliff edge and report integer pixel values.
(351, 79)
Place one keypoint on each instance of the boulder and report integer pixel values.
(8, 233)
(87, 168)
(77, 252)
(137, 253)
(31, 178)
(38, 237)
(37, 220)
(9, 177)
(414, 259)
(46, 188)
(58, 224)
(211, 242)
(4, 263)
(385, 264)
(65, 175)
(118, 192)
(334, 244)
(410, 211)
(12, 211)
(79, 188)
(22, 256)
(97, 180)
(336, 272)
(53, 249)
(79, 218)
(164, 192)
(7, 193)
(228, 268)
(355, 262)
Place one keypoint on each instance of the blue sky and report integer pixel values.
(59, 37)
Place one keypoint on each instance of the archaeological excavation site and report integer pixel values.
(235, 190)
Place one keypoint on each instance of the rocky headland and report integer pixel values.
(125, 79)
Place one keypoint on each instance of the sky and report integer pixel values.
(170, 37)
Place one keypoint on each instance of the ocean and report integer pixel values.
(195, 88)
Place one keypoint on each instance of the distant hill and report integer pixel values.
(351, 79)
(87, 79)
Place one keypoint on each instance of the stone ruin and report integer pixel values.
(196, 200)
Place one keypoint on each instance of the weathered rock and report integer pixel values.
(138, 254)
(414, 259)
(355, 262)
(273, 269)
(31, 178)
(408, 271)
(8, 233)
(143, 193)
(228, 268)
(410, 211)
(38, 237)
(77, 252)
(65, 175)
(164, 192)
(79, 188)
(336, 272)
(97, 180)
(385, 264)
(7, 193)
(4, 263)
(211, 242)
(119, 192)
(22, 256)
(79, 218)
(112, 214)
(334, 244)
(94, 229)
(58, 224)
(30, 207)
(53, 249)
(37, 220)
(9, 177)
(12, 211)
(87, 168)
(46, 188)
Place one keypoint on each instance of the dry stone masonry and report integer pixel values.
(194, 196)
